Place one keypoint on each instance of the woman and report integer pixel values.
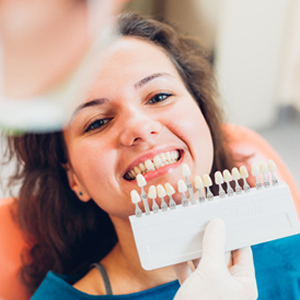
(155, 94)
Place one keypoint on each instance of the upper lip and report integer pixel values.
(149, 155)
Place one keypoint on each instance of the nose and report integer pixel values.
(138, 127)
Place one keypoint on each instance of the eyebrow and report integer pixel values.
(100, 101)
(147, 79)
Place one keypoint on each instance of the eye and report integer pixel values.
(97, 124)
(159, 97)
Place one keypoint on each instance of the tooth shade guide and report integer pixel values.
(170, 238)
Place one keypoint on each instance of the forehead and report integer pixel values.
(129, 59)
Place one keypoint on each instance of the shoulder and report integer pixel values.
(57, 286)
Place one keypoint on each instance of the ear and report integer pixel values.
(75, 185)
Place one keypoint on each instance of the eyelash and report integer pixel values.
(155, 99)
(102, 121)
(165, 95)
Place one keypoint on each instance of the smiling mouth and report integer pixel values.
(157, 162)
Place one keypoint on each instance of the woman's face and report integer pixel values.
(139, 108)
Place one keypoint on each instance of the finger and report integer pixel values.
(213, 244)
(182, 271)
(196, 262)
(243, 257)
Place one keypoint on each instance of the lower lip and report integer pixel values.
(162, 171)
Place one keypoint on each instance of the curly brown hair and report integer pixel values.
(66, 235)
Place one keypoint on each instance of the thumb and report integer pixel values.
(213, 244)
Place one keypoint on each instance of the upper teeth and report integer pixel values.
(158, 161)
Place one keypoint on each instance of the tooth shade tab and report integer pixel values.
(141, 181)
(170, 190)
(218, 178)
(135, 197)
(181, 186)
(263, 168)
(198, 182)
(161, 191)
(185, 170)
(244, 172)
(152, 192)
(227, 176)
(271, 166)
(207, 180)
(255, 170)
(235, 174)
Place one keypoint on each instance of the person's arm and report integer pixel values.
(213, 279)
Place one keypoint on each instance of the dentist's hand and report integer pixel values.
(213, 279)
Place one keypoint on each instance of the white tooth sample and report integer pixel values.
(152, 195)
(157, 161)
(162, 193)
(182, 189)
(135, 198)
(170, 191)
(141, 181)
(142, 167)
(137, 170)
(149, 165)
(264, 170)
(244, 175)
(185, 170)
(255, 172)
(199, 185)
(236, 176)
(273, 168)
(228, 178)
(219, 180)
(207, 183)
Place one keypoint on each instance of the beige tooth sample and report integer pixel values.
(244, 175)
(264, 170)
(135, 198)
(162, 193)
(207, 183)
(152, 195)
(182, 188)
(170, 191)
(149, 165)
(157, 161)
(236, 176)
(255, 172)
(219, 180)
(227, 177)
(199, 185)
(273, 168)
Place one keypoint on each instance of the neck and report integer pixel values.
(123, 264)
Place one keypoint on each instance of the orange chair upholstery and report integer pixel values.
(243, 141)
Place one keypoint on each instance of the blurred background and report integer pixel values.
(256, 57)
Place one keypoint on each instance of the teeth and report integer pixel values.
(149, 165)
(157, 162)
(142, 167)
(137, 170)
